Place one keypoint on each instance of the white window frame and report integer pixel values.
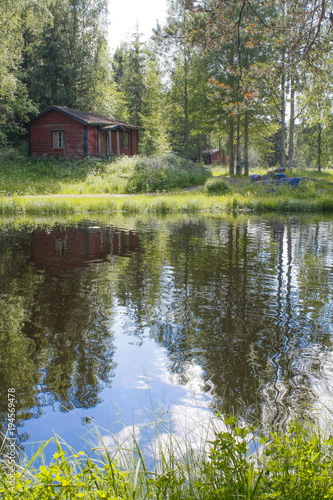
(58, 139)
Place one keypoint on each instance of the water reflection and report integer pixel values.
(63, 249)
(246, 301)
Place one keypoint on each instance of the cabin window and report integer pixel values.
(60, 246)
(125, 140)
(58, 139)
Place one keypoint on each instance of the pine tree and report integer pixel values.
(71, 65)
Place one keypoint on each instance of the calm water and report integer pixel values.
(116, 321)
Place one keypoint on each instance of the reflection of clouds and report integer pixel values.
(192, 373)
(192, 428)
(142, 383)
(186, 425)
(122, 444)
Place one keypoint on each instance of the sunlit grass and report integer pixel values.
(59, 186)
(234, 461)
(307, 197)
(23, 175)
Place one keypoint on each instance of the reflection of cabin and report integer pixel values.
(59, 130)
(75, 247)
(211, 156)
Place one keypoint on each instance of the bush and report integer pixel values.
(163, 173)
(217, 186)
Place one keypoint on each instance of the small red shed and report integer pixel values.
(59, 130)
(211, 156)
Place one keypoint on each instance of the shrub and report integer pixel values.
(163, 173)
(217, 186)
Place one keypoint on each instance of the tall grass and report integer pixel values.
(307, 197)
(84, 186)
(236, 463)
(23, 175)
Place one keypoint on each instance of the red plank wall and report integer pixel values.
(133, 143)
(215, 156)
(41, 137)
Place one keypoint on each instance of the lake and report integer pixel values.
(116, 322)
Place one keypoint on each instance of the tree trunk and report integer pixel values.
(319, 148)
(186, 118)
(231, 147)
(246, 144)
(291, 126)
(238, 149)
(283, 123)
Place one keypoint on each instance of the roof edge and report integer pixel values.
(62, 109)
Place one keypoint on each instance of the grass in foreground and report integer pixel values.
(310, 196)
(241, 463)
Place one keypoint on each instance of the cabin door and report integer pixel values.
(102, 144)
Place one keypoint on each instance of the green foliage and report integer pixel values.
(138, 76)
(190, 117)
(229, 473)
(242, 462)
(17, 21)
(217, 186)
(298, 464)
(26, 175)
(164, 172)
(69, 64)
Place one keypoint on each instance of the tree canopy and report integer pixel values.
(250, 77)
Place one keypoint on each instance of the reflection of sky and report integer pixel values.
(156, 401)
(142, 391)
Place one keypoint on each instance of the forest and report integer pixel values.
(253, 78)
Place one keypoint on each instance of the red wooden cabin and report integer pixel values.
(211, 156)
(59, 130)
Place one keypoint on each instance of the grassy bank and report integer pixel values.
(240, 463)
(23, 175)
(308, 197)
(55, 186)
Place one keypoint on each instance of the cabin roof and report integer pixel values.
(211, 151)
(88, 118)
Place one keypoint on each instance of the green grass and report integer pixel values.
(307, 197)
(239, 463)
(59, 186)
(23, 175)
(326, 174)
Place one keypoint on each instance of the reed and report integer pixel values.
(234, 462)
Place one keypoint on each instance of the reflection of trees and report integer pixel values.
(79, 347)
(17, 285)
(244, 299)
(230, 299)
(55, 345)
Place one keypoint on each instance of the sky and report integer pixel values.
(124, 15)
